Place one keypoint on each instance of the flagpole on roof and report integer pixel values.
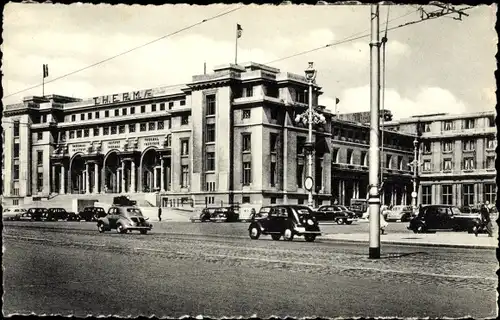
(238, 34)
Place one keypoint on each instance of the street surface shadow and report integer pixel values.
(401, 255)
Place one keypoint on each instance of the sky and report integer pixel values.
(439, 65)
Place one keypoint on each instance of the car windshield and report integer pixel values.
(302, 212)
(343, 208)
(455, 210)
(134, 212)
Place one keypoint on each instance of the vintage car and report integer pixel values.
(443, 217)
(91, 213)
(287, 221)
(124, 219)
(38, 214)
(335, 213)
(219, 214)
(54, 214)
(12, 213)
(402, 213)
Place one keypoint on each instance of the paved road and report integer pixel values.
(69, 268)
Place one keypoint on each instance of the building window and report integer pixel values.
(73, 117)
(143, 109)
(124, 111)
(247, 173)
(72, 134)
(490, 162)
(469, 123)
(469, 145)
(39, 135)
(16, 172)
(113, 129)
(160, 125)
(184, 147)
(491, 121)
(447, 194)
(246, 113)
(491, 143)
(121, 129)
(169, 123)
(426, 146)
(447, 146)
(105, 131)
(210, 137)
(273, 200)
(427, 165)
(210, 161)
(106, 114)
(183, 102)
(427, 127)
(39, 182)
(300, 96)
(162, 106)
(245, 199)
(364, 158)
(426, 195)
(447, 165)
(468, 163)
(16, 150)
(388, 161)
(273, 174)
(184, 119)
(142, 127)
(246, 142)
(300, 175)
(274, 114)
(89, 115)
(210, 101)
(170, 105)
(132, 110)
(15, 202)
(273, 142)
(96, 132)
(16, 129)
(468, 193)
(448, 125)
(82, 116)
(490, 192)
(153, 108)
(349, 156)
(78, 133)
(301, 141)
(131, 127)
(151, 126)
(86, 133)
(117, 112)
(97, 114)
(400, 163)
(248, 91)
(184, 176)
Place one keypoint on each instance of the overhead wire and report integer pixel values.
(129, 50)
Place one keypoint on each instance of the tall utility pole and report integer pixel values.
(374, 156)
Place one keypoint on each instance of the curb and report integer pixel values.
(403, 243)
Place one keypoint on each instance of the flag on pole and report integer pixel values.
(239, 30)
(45, 71)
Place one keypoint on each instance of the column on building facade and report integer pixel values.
(132, 176)
(61, 180)
(404, 195)
(96, 178)
(162, 175)
(155, 172)
(87, 178)
(117, 181)
(53, 180)
(123, 177)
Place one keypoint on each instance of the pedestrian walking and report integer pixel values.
(159, 214)
(383, 223)
(485, 221)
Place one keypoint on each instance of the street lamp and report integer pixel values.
(414, 165)
(309, 147)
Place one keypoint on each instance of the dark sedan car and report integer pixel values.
(287, 221)
(443, 217)
(91, 213)
(37, 213)
(54, 214)
(336, 213)
(219, 214)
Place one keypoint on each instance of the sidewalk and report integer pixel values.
(441, 239)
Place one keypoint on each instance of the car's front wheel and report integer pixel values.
(254, 233)
(310, 237)
(276, 237)
(100, 227)
(288, 234)
(339, 221)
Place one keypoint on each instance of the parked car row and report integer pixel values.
(52, 214)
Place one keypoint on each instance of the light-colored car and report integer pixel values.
(403, 213)
(124, 219)
(13, 213)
